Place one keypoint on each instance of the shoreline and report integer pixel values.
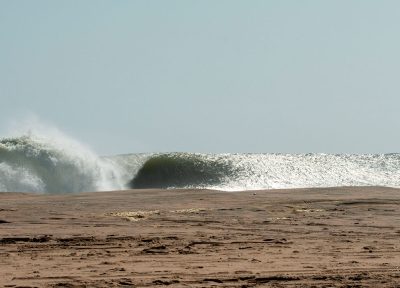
(142, 238)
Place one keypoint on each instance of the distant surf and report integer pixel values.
(38, 163)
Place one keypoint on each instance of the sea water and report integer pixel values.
(34, 162)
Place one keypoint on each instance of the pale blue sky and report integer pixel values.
(206, 76)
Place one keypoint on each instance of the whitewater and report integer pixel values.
(33, 162)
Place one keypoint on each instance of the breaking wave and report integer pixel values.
(58, 164)
(33, 163)
(183, 170)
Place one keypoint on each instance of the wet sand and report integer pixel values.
(334, 237)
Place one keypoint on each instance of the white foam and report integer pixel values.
(19, 179)
(52, 160)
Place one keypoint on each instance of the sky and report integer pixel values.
(213, 76)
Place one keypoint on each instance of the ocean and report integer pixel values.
(41, 164)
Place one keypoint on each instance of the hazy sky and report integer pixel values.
(206, 76)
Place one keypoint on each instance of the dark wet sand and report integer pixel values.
(336, 237)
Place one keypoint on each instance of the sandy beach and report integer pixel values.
(333, 237)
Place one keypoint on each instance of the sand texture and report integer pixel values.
(336, 237)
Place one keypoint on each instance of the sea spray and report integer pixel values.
(54, 163)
